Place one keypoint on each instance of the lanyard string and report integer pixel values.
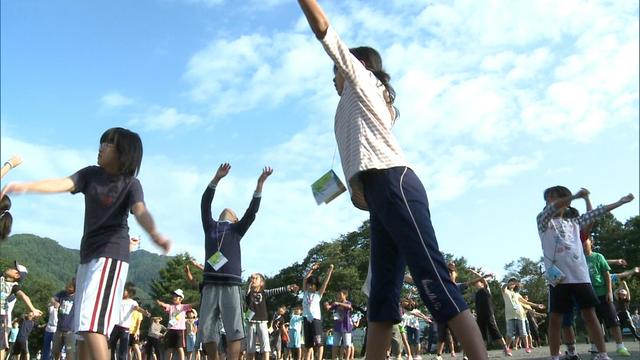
(333, 160)
(222, 239)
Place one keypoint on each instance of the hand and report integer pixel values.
(294, 288)
(15, 161)
(187, 270)
(223, 170)
(315, 266)
(627, 198)
(621, 262)
(541, 306)
(162, 241)
(36, 313)
(583, 193)
(134, 243)
(331, 267)
(13, 188)
(266, 172)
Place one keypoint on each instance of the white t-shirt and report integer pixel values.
(311, 305)
(52, 324)
(561, 241)
(126, 310)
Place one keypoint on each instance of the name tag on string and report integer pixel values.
(217, 260)
(327, 188)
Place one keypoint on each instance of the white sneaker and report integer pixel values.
(601, 356)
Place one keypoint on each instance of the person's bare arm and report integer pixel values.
(318, 21)
(47, 186)
(27, 301)
(326, 280)
(144, 218)
(10, 164)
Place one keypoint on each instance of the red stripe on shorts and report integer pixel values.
(95, 307)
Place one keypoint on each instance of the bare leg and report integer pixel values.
(379, 339)
(555, 322)
(593, 328)
(320, 350)
(467, 331)
(96, 345)
(233, 349)
(212, 350)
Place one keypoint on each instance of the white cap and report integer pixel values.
(179, 293)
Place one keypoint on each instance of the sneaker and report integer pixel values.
(417, 357)
(527, 350)
(601, 356)
(568, 356)
(438, 357)
(507, 352)
(465, 357)
(623, 352)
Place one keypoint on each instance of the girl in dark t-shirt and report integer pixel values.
(623, 299)
(111, 191)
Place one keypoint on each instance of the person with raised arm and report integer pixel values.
(221, 296)
(312, 324)
(566, 266)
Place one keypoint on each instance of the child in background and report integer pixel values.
(50, 329)
(256, 301)
(623, 299)
(111, 192)
(381, 182)
(65, 336)
(277, 330)
(485, 316)
(411, 322)
(155, 334)
(13, 334)
(284, 336)
(21, 346)
(295, 332)
(342, 325)
(191, 329)
(566, 265)
(134, 333)
(119, 338)
(9, 290)
(311, 310)
(175, 337)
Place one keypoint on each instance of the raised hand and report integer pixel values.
(583, 193)
(162, 241)
(627, 198)
(223, 170)
(15, 160)
(266, 172)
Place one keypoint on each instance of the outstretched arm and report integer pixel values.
(41, 186)
(207, 196)
(27, 302)
(316, 17)
(591, 216)
(626, 287)
(326, 280)
(145, 220)
(10, 164)
(250, 215)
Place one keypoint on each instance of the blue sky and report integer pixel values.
(498, 101)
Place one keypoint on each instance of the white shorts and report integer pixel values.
(344, 338)
(99, 288)
(258, 330)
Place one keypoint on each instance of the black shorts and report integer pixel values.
(488, 323)
(20, 347)
(561, 297)
(312, 333)
(133, 340)
(174, 339)
(443, 332)
(606, 312)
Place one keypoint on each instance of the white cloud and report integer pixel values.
(114, 99)
(164, 118)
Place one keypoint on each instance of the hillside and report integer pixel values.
(51, 262)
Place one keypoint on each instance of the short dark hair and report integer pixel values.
(558, 191)
(571, 213)
(313, 280)
(131, 288)
(129, 147)
(6, 219)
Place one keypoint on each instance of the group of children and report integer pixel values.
(380, 181)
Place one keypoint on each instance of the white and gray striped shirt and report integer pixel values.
(363, 120)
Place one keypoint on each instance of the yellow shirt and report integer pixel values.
(136, 320)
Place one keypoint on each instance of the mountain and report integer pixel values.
(51, 262)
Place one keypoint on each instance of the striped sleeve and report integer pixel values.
(352, 69)
(591, 216)
(545, 216)
(277, 291)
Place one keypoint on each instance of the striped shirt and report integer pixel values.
(363, 120)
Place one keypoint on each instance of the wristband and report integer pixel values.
(9, 163)
(212, 185)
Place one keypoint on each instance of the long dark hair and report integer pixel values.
(373, 62)
(6, 220)
(129, 147)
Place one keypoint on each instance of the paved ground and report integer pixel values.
(542, 353)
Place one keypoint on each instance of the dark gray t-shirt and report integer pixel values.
(108, 200)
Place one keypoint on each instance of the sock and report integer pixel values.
(620, 346)
(571, 349)
(556, 357)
